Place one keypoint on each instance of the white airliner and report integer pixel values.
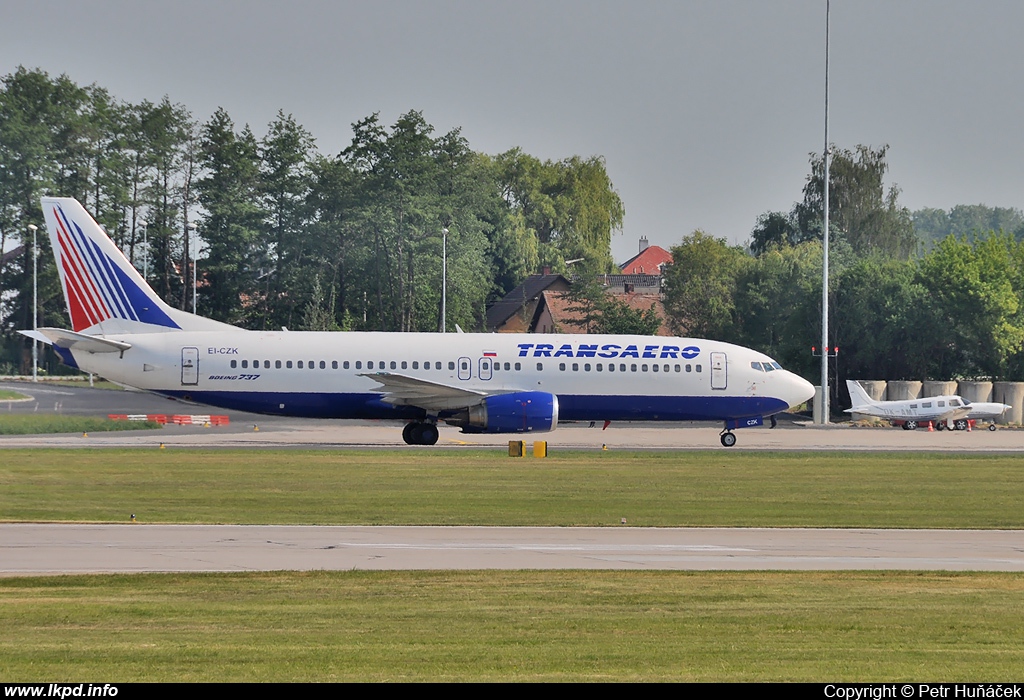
(943, 411)
(492, 383)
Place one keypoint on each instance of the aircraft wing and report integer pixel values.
(401, 390)
(955, 413)
(70, 340)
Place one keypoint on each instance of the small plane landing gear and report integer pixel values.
(910, 425)
(728, 438)
(420, 434)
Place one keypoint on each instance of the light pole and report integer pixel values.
(35, 302)
(444, 280)
(824, 248)
(195, 241)
(145, 244)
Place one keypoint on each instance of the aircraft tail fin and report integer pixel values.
(858, 396)
(103, 291)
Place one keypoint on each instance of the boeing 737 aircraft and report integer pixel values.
(940, 410)
(492, 383)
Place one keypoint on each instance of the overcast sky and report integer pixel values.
(704, 111)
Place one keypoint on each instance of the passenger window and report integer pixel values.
(312, 364)
(611, 366)
(345, 364)
(323, 364)
(942, 404)
(689, 368)
(677, 367)
(540, 366)
(561, 366)
(451, 365)
(632, 368)
(622, 368)
(575, 366)
(234, 363)
(654, 368)
(666, 368)
(698, 368)
(437, 365)
(416, 363)
(369, 365)
(334, 364)
(643, 368)
(508, 366)
(394, 365)
(518, 366)
(245, 363)
(600, 367)
(277, 364)
(288, 364)
(359, 364)
(405, 365)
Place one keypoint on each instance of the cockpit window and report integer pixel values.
(757, 366)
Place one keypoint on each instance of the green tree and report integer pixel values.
(701, 286)
(229, 194)
(869, 216)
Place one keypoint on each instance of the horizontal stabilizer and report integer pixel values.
(79, 342)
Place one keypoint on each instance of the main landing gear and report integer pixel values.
(420, 434)
(728, 438)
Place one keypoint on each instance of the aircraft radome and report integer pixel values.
(480, 382)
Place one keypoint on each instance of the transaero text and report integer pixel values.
(609, 350)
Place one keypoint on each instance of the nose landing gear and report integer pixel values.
(728, 438)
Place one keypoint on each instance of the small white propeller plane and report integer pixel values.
(942, 411)
(482, 383)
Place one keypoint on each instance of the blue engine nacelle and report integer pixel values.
(523, 412)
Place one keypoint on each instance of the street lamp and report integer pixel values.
(195, 241)
(35, 303)
(444, 280)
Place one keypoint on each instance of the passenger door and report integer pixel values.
(189, 366)
(719, 370)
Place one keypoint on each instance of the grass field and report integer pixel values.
(499, 625)
(484, 487)
(7, 395)
(47, 423)
(596, 626)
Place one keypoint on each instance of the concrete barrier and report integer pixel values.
(975, 391)
(903, 390)
(875, 388)
(1010, 393)
(937, 388)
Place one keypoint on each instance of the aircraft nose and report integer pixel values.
(797, 390)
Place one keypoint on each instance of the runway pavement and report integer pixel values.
(47, 548)
(792, 434)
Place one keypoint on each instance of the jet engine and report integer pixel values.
(522, 412)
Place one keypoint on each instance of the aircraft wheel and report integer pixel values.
(728, 439)
(428, 434)
(960, 424)
(992, 426)
(407, 433)
(910, 425)
(940, 425)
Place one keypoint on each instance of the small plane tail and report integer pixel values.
(103, 291)
(858, 396)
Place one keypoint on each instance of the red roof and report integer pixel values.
(648, 262)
